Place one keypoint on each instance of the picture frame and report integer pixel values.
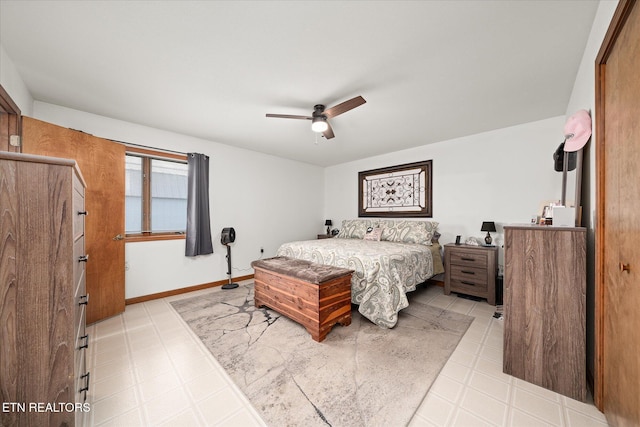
(401, 191)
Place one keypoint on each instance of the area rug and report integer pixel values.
(360, 375)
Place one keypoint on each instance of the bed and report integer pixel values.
(389, 258)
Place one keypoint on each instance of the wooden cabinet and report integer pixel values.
(324, 236)
(42, 291)
(544, 310)
(471, 270)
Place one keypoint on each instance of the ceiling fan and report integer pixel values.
(320, 116)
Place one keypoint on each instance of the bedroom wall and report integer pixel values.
(503, 175)
(268, 200)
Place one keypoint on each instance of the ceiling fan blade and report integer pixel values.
(336, 110)
(328, 134)
(289, 116)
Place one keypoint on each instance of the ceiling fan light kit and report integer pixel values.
(320, 116)
(319, 124)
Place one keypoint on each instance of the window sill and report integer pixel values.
(151, 237)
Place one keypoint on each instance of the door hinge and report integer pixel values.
(14, 140)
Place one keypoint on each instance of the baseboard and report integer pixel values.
(173, 292)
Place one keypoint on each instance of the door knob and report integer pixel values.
(625, 267)
(118, 237)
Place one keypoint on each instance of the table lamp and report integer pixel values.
(488, 226)
(328, 223)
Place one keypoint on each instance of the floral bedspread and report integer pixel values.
(384, 271)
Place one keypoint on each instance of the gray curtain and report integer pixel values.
(198, 240)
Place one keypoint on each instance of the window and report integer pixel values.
(155, 195)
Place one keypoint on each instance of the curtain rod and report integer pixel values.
(130, 144)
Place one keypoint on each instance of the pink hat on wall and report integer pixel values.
(577, 131)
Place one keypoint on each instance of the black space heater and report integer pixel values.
(227, 236)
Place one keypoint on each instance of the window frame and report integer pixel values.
(147, 155)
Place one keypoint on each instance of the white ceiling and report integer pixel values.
(429, 70)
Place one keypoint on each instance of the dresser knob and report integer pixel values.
(624, 267)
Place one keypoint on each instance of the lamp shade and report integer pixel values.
(488, 226)
(328, 223)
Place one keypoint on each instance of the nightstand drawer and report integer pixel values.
(469, 258)
(475, 275)
(469, 287)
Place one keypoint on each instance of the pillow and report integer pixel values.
(408, 231)
(354, 228)
(373, 234)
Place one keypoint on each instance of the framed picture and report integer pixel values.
(396, 191)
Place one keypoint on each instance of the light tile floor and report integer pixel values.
(472, 390)
(149, 369)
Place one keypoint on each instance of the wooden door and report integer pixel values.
(617, 388)
(102, 165)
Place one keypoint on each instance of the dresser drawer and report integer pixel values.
(79, 267)
(469, 258)
(82, 379)
(80, 326)
(80, 355)
(78, 216)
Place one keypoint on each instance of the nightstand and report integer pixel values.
(471, 270)
(324, 236)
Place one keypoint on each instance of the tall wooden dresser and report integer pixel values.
(42, 291)
(544, 307)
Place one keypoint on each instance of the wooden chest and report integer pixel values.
(315, 295)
